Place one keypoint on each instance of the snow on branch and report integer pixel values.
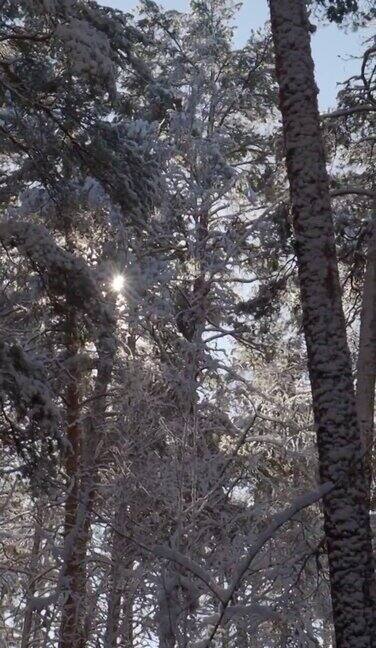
(190, 565)
(225, 596)
(345, 112)
(22, 379)
(307, 499)
(63, 273)
(345, 191)
(88, 51)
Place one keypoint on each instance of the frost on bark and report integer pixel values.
(366, 369)
(347, 526)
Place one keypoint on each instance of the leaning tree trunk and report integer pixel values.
(346, 516)
(366, 369)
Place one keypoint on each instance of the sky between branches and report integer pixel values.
(334, 49)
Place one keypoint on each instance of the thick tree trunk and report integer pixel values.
(346, 516)
(366, 369)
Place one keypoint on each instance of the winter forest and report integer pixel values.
(188, 329)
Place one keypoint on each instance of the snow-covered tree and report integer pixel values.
(158, 465)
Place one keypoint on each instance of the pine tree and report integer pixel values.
(347, 526)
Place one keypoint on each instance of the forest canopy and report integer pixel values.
(187, 350)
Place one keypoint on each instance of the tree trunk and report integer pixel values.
(327, 638)
(366, 369)
(113, 612)
(71, 627)
(126, 628)
(121, 562)
(26, 639)
(82, 469)
(346, 515)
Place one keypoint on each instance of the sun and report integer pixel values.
(117, 283)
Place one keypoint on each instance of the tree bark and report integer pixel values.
(346, 515)
(366, 368)
(119, 589)
(82, 470)
(26, 639)
(82, 467)
(126, 626)
(71, 627)
(113, 612)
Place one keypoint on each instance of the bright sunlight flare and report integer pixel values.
(117, 283)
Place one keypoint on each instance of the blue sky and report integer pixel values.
(333, 49)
